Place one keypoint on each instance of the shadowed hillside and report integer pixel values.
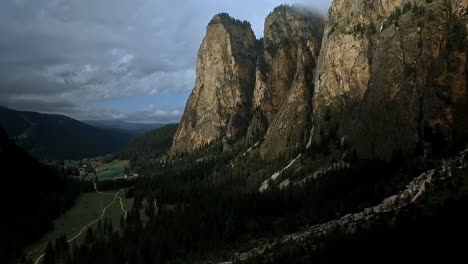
(32, 194)
(60, 137)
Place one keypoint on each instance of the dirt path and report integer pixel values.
(122, 207)
(103, 213)
(118, 197)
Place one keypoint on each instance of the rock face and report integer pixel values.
(257, 89)
(392, 75)
(284, 83)
(219, 106)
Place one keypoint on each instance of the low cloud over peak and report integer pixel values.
(64, 56)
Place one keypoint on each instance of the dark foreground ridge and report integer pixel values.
(337, 141)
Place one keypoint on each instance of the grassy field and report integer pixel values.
(114, 169)
(72, 164)
(88, 208)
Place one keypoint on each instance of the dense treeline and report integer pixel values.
(226, 18)
(149, 146)
(106, 185)
(207, 203)
(32, 196)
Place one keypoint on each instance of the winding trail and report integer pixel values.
(122, 207)
(95, 220)
(118, 197)
(103, 213)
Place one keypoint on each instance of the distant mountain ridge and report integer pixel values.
(137, 128)
(51, 136)
(149, 146)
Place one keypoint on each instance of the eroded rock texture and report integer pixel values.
(284, 84)
(219, 106)
(392, 75)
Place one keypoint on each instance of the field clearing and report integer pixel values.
(88, 207)
(72, 164)
(111, 170)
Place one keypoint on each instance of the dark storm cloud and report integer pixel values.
(63, 55)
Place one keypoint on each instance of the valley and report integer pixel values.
(113, 170)
(89, 212)
(337, 138)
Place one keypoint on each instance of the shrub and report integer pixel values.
(371, 29)
(397, 13)
(263, 66)
(359, 28)
(419, 11)
(458, 36)
(226, 18)
(407, 7)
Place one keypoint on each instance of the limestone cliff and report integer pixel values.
(251, 88)
(219, 106)
(284, 83)
(392, 75)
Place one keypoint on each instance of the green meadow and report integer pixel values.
(88, 208)
(111, 170)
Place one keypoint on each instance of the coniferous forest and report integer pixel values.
(194, 207)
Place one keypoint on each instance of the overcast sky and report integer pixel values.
(111, 59)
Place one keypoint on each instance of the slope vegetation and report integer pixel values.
(60, 137)
(32, 196)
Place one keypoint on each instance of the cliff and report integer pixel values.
(282, 99)
(258, 89)
(219, 106)
(387, 77)
(391, 76)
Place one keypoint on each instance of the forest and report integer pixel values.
(32, 194)
(196, 206)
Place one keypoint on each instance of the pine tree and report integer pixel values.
(49, 254)
(89, 237)
(122, 223)
(99, 228)
(110, 228)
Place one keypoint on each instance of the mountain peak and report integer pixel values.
(227, 20)
(219, 106)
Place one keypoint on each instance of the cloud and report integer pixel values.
(64, 55)
(153, 112)
(150, 114)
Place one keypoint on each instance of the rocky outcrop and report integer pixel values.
(266, 184)
(266, 99)
(219, 106)
(288, 131)
(284, 82)
(427, 184)
(392, 75)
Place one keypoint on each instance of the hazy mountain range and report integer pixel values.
(50, 136)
